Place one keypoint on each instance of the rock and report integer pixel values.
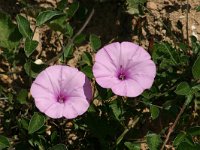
(152, 5)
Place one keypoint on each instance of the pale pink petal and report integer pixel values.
(120, 88)
(69, 111)
(144, 81)
(55, 110)
(129, 88)
(43, 84)
(107, 82)
(104, 76)
(100, 70)
(53, 74)
(103, 58)
(41, 90)
(43, 103)
(133, 52)
(134, 89)
(77, 80)
(144, 68)
(113, 52)
(78, 106)
(67, 75)
(84, 92)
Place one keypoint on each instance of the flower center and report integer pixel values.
(121, 73)
(121, 76)
(61, 99)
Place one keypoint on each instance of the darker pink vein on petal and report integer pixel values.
(110, 58)
(55, 91)
(45, 88)
(129, 60)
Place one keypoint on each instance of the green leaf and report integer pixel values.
(62, 4)
(179, 138)
(4, 142)
(30, 46)
(154, 111)
(186, 146)
(183, 89)
(196, 68)
(95, 42)
(46, 16)
(165, 53)
(24, 27)
(189, 98)
(58, 24)
(117, 111)
(68, 51)
(194, 131)
(196, 87)
(37, 122)
(198, 8)
(132, 146)
(79, 39)
(69, 30)
(86, 59)
(33, 69)
(87, 70)
(59, 147)
(24, 123)
(153, 141)
(22, 96)
(54, 137)
(9, 34)
(73, 9)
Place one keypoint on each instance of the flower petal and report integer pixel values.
(144, 68)
(74, 81)
(44, 103)
(85, 91)
(129, 88)
(41, 86)
(104, 58)
(107, 82)
(75, 106)
(53, 74)
(144, 81)
(100, 70)
(113, 52)
(61, 81)
(132, 52)
(41, 90)
(55, 110)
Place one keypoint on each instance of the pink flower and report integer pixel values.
(124, 67)
(61, 91)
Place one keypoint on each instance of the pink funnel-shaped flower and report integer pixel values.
(124, 67)
(62, 91)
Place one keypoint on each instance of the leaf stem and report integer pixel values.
(187, 32)
(171, 129)
(70, 41)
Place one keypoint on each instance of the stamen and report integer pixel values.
(121, 75)
(61, 99)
